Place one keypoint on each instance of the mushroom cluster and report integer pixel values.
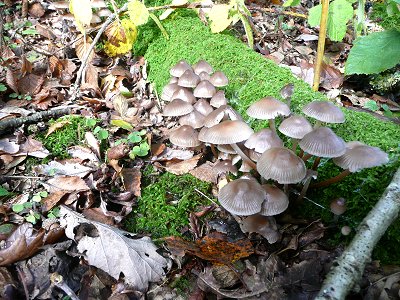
(206, 117)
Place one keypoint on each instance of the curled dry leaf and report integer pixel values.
(66, 183)
(82, 47)
(117, 152)
(132, 177)
(114, 251)
(58, 125)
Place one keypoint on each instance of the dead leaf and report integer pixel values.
(91, 80)
(33, 148)
(132, 179)
(120, 104)
(58, 125)
(82, 46)
(6, 146)
(52, 200)
(206, 172)
(11, 80)
(183, 167)
(45, 31)
(26, 66)
(66, 183)
(36, 10)
(113, 250)
(93, 143)
(55, 168)
(117, 152)
(30, 84)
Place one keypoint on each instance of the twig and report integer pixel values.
(187, 5)
(274, 11)
(59, 282)
(34, 118)
(349, 267)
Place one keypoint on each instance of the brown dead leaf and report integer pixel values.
(96, 214)
(215, 248)
(52, 200)
(26, 66)
(114, 163)
(33, 147)
(182, 167)
(45, 31)
(36, 10)
(331, 77)
(11, 80)
(55, 66)
(132, 179)
(58, 125)
(117, 152)
(157, 149)
(205, 172)
(6, 53)
(30, 84)
(91, 80)
(66, 183)
(82, 47)
(93, 143)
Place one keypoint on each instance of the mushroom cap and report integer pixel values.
(338, 206)
(361, 156)
(104, 12)
(287, 91)
(254, 155)
(266, 226)
(242, 196)
(194, 119)
(218, 99)
(204, 89)
(203, 107)
(184, 94)
(263, 140)
(204, 76)
(168, 91)
(173, 80)
(95, 19)
(219, 79)
(185, 136)
(268, 108)
(177, 107)
(324, 111)
(227, 132)
(323, 142)
(226, 148)
(225, 166)
(98, 4)
(202, 66)
(275, 203)
(180, 68)
(189, 79)
(224, 112)
(282, 165)
(295, 127)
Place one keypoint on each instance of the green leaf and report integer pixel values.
(134, 137)
(91, 122)
(160, 26)
(291, 3)
(29, 31)
(13, 95)
(371, 104)
(27, 205)
(374, 53)
(18, 208)
(43, 194)
(248, 30)
(31, 219)
(340, 12)
(36, 198)
(4, 192)
(138, 12)
(386, 110)
(122, 124)
(2, 87)
(102, 134)
(141, 150)
(6, 228)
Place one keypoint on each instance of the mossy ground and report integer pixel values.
(165, 204)
(253, 77)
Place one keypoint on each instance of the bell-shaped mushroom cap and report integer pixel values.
(194, 119)
(189, 79)
(287, 91)
(204, 76)
(204, 89)
(219, 79)
(275, 203)
(268, 108)
(225, 166)
(324, 111)
(95, 19)
(282, 165)
(184, 94)
(180, 68)
(218, 99)
(254, 155)
(185, 136)
(338, 206)
(361, 157)
(224, 112)
(226, 148)
(203, 107)
(202, 66)
(177, 107)
(295, 127)
(168, 91)
(323, 142)
(263, 140)
(266, 226)
(227, 132)
(104, 12)
(242, 197)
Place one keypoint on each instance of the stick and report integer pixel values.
(349, 267)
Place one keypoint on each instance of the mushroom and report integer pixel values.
(185, 136)
(168, 91)
(177, 107)
(266, 226)
(219, 79)
(104, 12)
(295, 127)
(263, 140)
(345, 230)
(202, 66)
(95, 19)
(98, 4)
(228, 132)
(224, 112)
(189, 79)
(338, 207)
(203, 107)
(204, 90)
(357, 157)
(194, 119)
(323, 111)
(287, 92)
(268, 108)
(184, 94)
(276, 201)
(180, 68)
(218, 99)
(225, 166)
(242, 196)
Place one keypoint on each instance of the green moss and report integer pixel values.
(164, 207)
(379, 15)
(253, 77)
(70, 134)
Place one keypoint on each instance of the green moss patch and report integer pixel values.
(164, 207)
(253, 77)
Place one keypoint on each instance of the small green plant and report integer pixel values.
(20, 97)
(3, 88)
(136, 137)
(54, 213)
(100, 133)
(4, 192)
(25, 209)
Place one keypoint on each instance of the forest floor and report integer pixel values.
(106, 156)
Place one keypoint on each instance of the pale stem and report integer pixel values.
(244, 156)
(295, 142)
(272, 125)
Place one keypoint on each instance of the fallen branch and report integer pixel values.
(33, 118)
(349, 267)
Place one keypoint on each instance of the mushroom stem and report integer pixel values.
(316, 163)
(244, 156)
(272, 125)
(286, 189)
(306, 157)
(214, 151)
(295, 142)
(301, 153)
(332, 180)
(317, 124)
(304, 189)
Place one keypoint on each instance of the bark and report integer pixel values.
(349, 267)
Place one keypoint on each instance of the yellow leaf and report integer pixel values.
(82, 11)
(121, 36)
(219, 17)
(138, 12)
(169, 11)
(56, 126)
(122, 124)
(120, 104)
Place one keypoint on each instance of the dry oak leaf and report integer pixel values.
(114, 251)
(215, 248)
(30, 84)
(66, 183)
